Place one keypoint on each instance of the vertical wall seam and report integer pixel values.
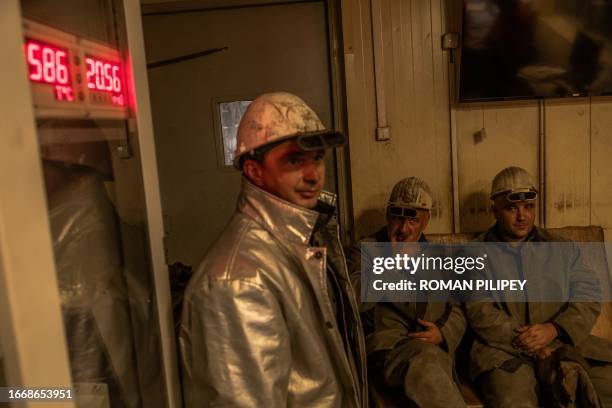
(412, 47)
(590, 160)
(542, 160)
(452, 108)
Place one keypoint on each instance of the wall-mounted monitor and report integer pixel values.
(523, 49)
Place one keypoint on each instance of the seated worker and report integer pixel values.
(514, 337)
(412, 344)
(269, 318)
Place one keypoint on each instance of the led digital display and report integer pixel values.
(49, 64)
(74, 77)
(105, 76)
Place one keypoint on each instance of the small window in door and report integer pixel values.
(230, 114)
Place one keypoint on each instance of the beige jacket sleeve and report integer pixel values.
(578, 318)
(454, 328)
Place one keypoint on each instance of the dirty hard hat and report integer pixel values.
(278, 116)
(408, 195)
(515, 181)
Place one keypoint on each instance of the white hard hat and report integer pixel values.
(278, 116)
(411, 193)
(512, 180)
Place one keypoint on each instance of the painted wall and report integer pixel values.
(414, 89)
(425, 121)
(288, 53)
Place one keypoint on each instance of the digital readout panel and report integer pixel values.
(49, 64)
(106, 78)
(73, 77)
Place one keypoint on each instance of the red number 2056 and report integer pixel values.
(103, 76)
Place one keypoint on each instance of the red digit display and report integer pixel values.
(47, 63)
(105, 76)
(74, 77)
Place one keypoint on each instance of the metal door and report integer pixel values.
(243, 51)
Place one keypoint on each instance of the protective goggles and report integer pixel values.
(515, 197)
(318, 141)
(396, 211)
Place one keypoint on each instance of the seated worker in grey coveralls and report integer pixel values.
(514, 338)
(412, 344)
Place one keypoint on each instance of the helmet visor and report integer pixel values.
(396, 211)
(318, 141)
(515, 197)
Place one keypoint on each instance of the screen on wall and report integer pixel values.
(522, 49)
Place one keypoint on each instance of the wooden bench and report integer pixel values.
(596, 258)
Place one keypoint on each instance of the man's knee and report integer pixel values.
(429, 378)
(504, 389)
(601, 377)
(414, 356)
(417, 355)
(429, 354)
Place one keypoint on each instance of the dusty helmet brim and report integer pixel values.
(308, 141)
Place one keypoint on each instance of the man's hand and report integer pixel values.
(535, 337)
(431, 334)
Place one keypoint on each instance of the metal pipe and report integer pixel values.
(382, 129)
(188, 57)
(176, 7)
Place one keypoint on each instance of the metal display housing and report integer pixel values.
(84, 105)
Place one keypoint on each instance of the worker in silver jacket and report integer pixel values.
(269, 317)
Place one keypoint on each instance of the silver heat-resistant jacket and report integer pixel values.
(258, 327)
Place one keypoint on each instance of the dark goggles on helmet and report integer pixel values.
(318, 141)
(515, 197)
(306, 141)
(396, 211)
